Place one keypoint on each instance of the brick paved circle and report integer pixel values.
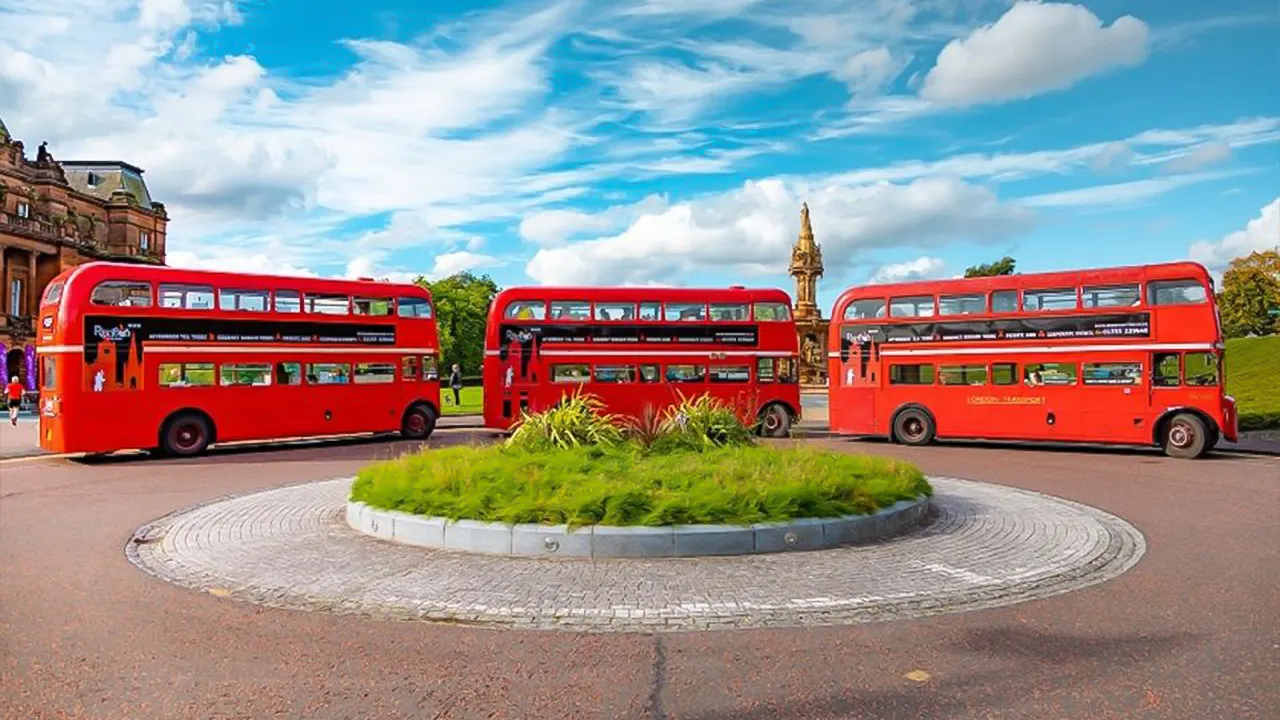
(982, 546)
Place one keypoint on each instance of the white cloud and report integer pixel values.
(460, 261)
(259, 263)
(868, 72)
(1033, 48)
(1120, 193)
(555, 227)
(1112, 156)
(1198, 157)
(922, 268)
(750, 230)
(1261, 233)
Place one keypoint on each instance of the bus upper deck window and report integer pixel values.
(1112, 296)
(865, 309)
(650, 311)
(526, 310)
(122, 294)
(615, 311)
(676, 312)
(1176, 292)
(288, 301)
(917, 306)
(728, 312)
(188, 297)
(571, 310)
(53, 293)
(1004, 301)
(772, 312)
(1049, 300)
(377, 307)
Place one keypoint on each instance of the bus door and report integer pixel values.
(854, 380)
(1115, 397)
(518, 373)
(1051, 401)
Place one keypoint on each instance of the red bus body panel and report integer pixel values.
(129, 408)
(997, 347)
(525, 352)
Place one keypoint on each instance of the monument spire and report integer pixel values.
(806, 268)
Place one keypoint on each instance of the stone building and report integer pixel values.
(806, 268)
(55, 215)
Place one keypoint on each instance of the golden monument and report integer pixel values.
(806, 268)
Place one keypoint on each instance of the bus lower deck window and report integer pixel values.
(649, 373)
(615, 373)
(572, 373)
(911, 374)
(1051, 373)
(409, 369)
(764, 370)
(1201, 369)
(374, 373)
(1112, 373)
(731, 374)
(1167, 371)
(686, 373)
(963, 374)
(328, 373)
(47, 369)
(1004, 373)
(245, 374)
(186, 375)
(288, 373)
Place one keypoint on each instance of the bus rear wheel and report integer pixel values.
(186, 435)
(775, 422)
(913, 427)
(419, 422)
(1185, 436)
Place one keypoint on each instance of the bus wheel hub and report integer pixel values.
(1180, 435)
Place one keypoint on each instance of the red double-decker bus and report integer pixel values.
(638, 347)
(1127, 355)
(139, 357)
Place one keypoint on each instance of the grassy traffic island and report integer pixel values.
(696, 464)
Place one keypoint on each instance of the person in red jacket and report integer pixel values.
(13, 394)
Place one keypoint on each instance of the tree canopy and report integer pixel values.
(462, 308)
(1250, 295)
(1003, 266)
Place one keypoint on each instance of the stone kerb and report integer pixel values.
(604, 541)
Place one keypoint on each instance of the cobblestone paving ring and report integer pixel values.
(982, 546)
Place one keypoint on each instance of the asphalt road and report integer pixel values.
(1193, 631)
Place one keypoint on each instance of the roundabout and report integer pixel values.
(980, 546)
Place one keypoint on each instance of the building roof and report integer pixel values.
(108, 177)
(4, 131)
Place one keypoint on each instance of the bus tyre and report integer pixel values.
(419, 422)
(913, 427)
(1185, 436)
(775, 422)
(185, 435)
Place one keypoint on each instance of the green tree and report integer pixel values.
(1003, 266)
(462, 309)
(1250, 294)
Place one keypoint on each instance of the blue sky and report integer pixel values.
(668, 141)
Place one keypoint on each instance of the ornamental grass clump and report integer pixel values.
(701, 423)
(577, 421)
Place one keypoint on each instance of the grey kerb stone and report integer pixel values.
(603, 541)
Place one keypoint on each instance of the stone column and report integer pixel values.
(33, 291)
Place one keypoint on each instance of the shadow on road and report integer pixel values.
(1061, 661)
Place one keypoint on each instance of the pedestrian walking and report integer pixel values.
(455, 382)
(13, 394)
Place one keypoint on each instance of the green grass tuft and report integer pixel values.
(1252, 366)
(624, 484)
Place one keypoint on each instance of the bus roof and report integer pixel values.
(95, 272)
(641, 294)
(1045, 280)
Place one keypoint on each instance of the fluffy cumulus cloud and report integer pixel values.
(1261, 233)
(1033, 48)
(749, 230)
(922, 268)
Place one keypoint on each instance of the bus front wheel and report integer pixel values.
(186, 435)
(913, 427)
(775, 422)
(1185, 436)
(419, 422)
